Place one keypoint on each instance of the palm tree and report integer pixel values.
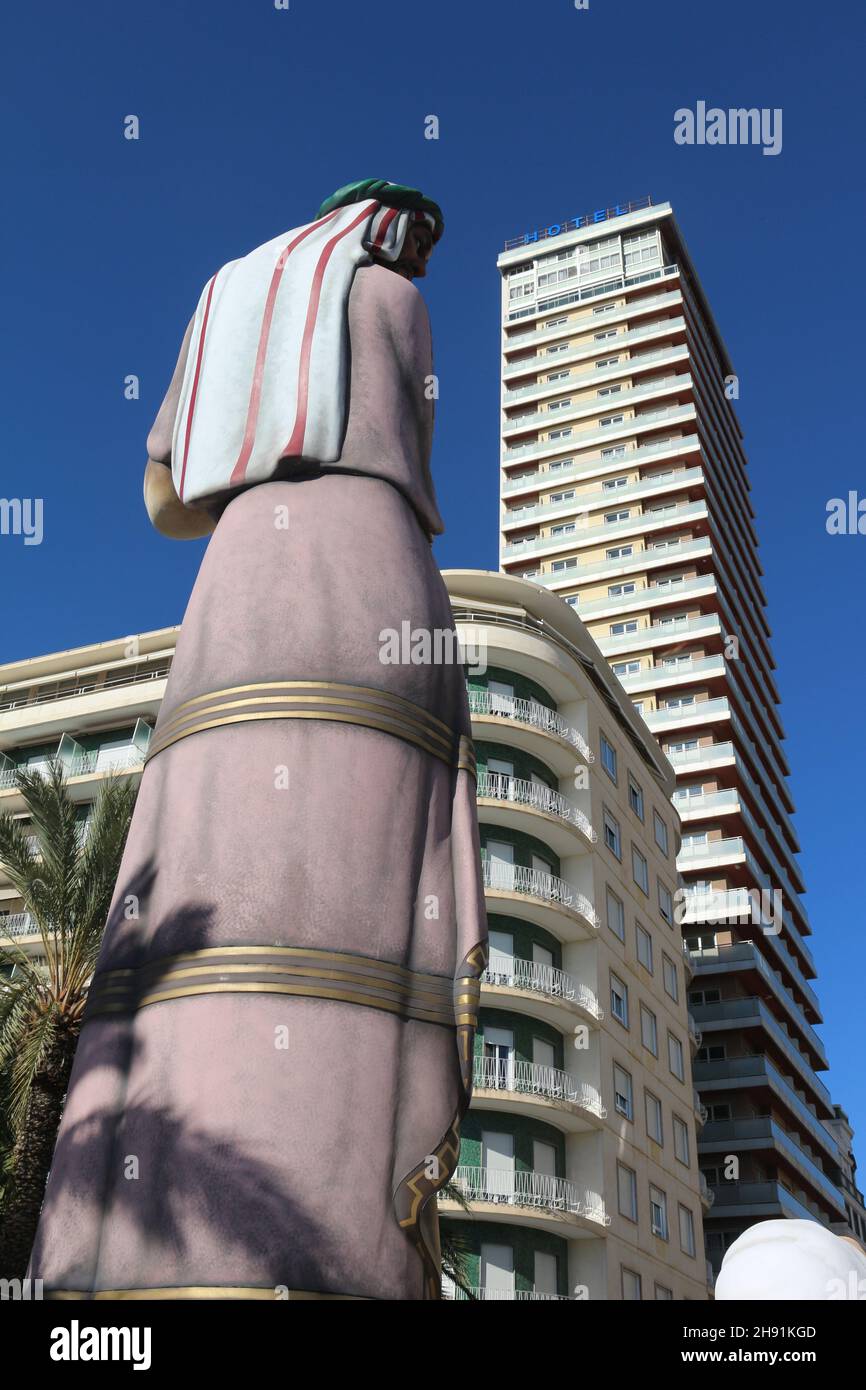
(455, 1249)
(66, 881)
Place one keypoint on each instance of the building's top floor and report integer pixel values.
(560, 238)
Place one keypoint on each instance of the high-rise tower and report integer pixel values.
(624, 490)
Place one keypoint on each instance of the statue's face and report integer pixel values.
(416, 252)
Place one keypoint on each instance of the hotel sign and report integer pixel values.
(573, 224)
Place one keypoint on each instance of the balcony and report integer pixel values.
(530, 713)
(506, 972)
(742, 1013)
(662, 634)
(671, 299)
(500, 878)
(626, 366)
(630, 459)
(619, 401)
(488, 1295)
(16, 924)
(755, 1073)
(760, 1201)
(535, 1191)
(648, 597)
(764, 1134)
(745, 955)
(600, 532)
(642, 558)
(665, 674)
(538, 798)
(601, 434)
(699, 711)
(517, 1087)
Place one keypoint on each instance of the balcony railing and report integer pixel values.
(547, 980)
(514, 878)
(16, 924)
(487, 1295)
(577, 380)
(533, 1079)
(8, 700)
(541, 419)
(518, 1189)
(530, 712)
(667, 299)
(544, 477)
(80, 766)
(496, 786)
(583, 437)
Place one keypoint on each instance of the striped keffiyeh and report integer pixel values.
(267, 372)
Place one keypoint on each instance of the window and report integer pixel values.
(614, 451)
(609, 390)
(618, 552)
(556, 464)
(607, 420)
(721, 1111)
(607, 362)
(604, 308)
(672, 984)
(625, 668)
(622, 629)
(561, 434)
(626, 1187)
(620, 590)
(610, 518)
(649, 1030)
(675, 1057)
(639, 870)
(602, 337)
(681, 1140)
(631, 1289)
(608, 757)
(556, 323)
(611, 484)
(561, 496)
(557, 347)
(612, 835)
(615, 915)
(619, 999)
(622, 1092)
(717, 1053)
(653, 1116)
(666, 904)
(660, 831)
(662, 1293)
(558, 376)
(559, 565)
(644, 947)
(687, 1231)
(564, 528)
(658, 1212)
(635, 794)
(559, 405)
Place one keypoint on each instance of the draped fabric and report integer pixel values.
(267, 372)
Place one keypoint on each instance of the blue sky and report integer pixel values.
(250, 116)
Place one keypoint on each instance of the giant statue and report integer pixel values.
(278, 1043)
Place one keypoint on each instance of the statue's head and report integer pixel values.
(423, 227)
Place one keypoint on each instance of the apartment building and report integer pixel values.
(625, 493)
(578, 1154)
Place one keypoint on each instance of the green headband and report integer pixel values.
(393, 195)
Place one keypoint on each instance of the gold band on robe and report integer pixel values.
(323, 700)
(296, 970)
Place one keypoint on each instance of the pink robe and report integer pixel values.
(277, 1115)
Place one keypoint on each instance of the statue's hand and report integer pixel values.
(165, 509)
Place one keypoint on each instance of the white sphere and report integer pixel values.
(791, 1260)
